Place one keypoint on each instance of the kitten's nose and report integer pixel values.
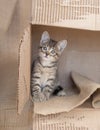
(47, 53)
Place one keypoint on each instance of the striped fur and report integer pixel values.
(44, 72)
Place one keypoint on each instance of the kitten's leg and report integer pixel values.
(49, 87)
(36, 87)
(47, 90)
(37, 94)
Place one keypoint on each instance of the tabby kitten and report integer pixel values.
(44, 72)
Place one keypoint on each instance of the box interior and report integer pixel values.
(81, 54)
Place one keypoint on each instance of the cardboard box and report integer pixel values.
(81, 55)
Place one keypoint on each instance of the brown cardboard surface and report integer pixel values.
(6, 14)
(9, 119)
(24, 70)
(9, 45)
(14, 17)
(78, 119)
(96, 99)
(83, 14)
(16, 128)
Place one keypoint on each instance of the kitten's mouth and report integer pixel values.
(46, 56)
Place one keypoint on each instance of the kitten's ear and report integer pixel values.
(45, 37)
(61, 45)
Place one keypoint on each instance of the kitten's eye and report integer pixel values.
(44, 48)
(53, 52)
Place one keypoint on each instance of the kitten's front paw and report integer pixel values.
(47, 93)
(39, 98)
(42, 97)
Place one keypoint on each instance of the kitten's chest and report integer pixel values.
(45, 75)
(44, 78)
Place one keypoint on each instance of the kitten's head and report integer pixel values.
(50, 50)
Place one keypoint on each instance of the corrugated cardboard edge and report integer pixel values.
(61, 13)
(22, 97)
(77, 119)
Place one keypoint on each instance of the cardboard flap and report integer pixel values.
(96, 99)
(67, 13)
(64, 104)
(24, 70)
